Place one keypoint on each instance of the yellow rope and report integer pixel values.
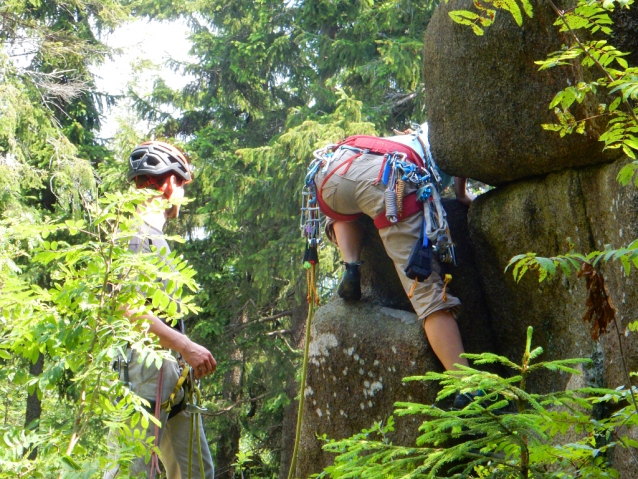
(190, 447)
(416, 281)
(170, 402)
(446, 280)
(313, 299)
(313, 284)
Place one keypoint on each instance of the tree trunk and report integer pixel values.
(231, 433)
(34, 404)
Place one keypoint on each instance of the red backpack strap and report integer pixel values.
(381, 146)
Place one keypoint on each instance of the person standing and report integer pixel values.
(161, 166)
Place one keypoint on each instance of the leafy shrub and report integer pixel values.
(507, 433)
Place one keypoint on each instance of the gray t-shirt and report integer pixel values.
(151, 236)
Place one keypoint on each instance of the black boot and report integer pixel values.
(463, 400)
(350, 287)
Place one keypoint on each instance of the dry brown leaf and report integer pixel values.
(600, 309)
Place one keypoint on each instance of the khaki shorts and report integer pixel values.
(355, 190)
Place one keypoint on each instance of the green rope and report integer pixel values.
(190, 448)
(302, 388)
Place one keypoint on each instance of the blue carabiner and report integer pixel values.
(387, 170)
(312, 171)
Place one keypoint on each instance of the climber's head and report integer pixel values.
(159, 165)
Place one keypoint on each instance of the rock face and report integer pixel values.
(625, 38)
(361, 351)
(359, 354)
(379, 282)
(588, 207)
(487, 100)
(486, 104)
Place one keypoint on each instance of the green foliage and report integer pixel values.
(572, 262)
(553, 435)
(487, 13)
(49, 109)
(258, 60)
(77, 322)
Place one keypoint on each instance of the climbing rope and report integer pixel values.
(313, 300)
(195, 397)
(400, 193)
(311, 230)
(154, 463)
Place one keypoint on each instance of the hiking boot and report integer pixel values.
(350, 287)
(462, 400)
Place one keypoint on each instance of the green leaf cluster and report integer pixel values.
(49, 106)
(77, 323)
(572, 262)
(487, 13)
(508, 432)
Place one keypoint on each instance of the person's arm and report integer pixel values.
(460, 189)
(198, 357)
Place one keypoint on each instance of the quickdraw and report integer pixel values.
(311, 218)
(397, 173)
(311, 222)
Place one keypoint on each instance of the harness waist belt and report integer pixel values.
(411, 206)
(175, 410)
(381, 146)
(375, 146)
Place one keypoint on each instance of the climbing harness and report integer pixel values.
(403, 169)
(190, 402)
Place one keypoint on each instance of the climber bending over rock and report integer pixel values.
(373, 176)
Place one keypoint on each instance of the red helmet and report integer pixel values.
(157, 158)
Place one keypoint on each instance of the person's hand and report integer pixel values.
(200, 359)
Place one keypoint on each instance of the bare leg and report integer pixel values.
(445, 338)
(349, 239)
